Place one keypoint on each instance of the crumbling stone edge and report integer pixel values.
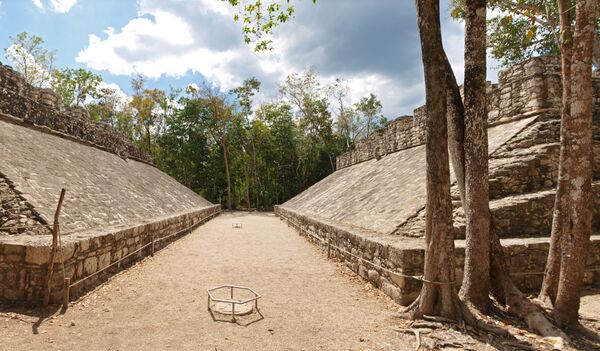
(43, 107)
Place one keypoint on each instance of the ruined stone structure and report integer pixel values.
(373, 206)
(40, 108)
(117, 204)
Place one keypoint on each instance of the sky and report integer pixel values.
(372, 45)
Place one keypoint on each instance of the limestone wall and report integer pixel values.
(526, 89)
(526, 257)
(381, 195)
(42, 107)
(24, 261)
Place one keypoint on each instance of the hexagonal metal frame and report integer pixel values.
(231, 300)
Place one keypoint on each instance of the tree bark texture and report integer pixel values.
(226, 160)
(577, 144)
(552, 271)
(505, 291)
(476, 280)
(456, 129)
(438, 294)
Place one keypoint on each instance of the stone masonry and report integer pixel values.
(373, 206)
(16, 215)
(116, 203)
(24, 260)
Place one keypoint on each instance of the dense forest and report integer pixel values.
(220, 144)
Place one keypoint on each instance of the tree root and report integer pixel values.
(439, 319)
(418, 336)
(472, 320)
(416, 332)
(518, 304)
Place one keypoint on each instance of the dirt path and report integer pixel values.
(308, 302)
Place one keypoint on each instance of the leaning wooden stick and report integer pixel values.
(55, 233)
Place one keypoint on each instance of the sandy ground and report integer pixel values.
(308, 303)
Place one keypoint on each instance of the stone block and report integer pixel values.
(38, 255)
(80, 269)
(66, 252)
(13, 249)
(373, 277)
(398, 280)
(90, 265)
(103, 260)
(363, 272)
(391, 291)
(14, 258)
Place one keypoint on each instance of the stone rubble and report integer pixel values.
(23, 104)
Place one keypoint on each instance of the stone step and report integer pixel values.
(532, 169)
(526, 258)
(527, 215)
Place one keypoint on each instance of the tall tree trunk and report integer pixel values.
(552, 271)
(438, 294)
(258, 183)
(226, 160)
(503, 287)
(148, 140)
(456, 129)
(247, 186)
(577, 144)
(476, 280)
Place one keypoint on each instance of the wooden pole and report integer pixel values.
(55, 233)
(66, 293)
(152, 247)
(329, 248)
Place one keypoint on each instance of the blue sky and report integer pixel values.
(373, 45)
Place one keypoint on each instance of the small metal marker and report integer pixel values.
(233, 306)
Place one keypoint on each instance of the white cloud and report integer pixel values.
(122, 97)
(173, 38)
(38, 4)
(62, 6)
(59, 6)
(159, 42)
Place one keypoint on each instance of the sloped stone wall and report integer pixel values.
(345, 208)
(103, 190)
(115, 204)
(41, 107)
